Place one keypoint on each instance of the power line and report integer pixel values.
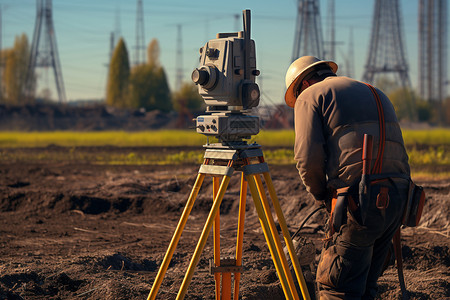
(140, 36)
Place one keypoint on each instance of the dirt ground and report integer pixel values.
(82, 231)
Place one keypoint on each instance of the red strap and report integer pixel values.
(379, 161)
(376, 170)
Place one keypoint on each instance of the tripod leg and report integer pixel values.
(176, 237)
(275, 234)
(216, 237)
(226, 286)
(287, 236)
(203, 237)
(269, 237)
(240, 234)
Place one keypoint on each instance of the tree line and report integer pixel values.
(146, 86)
(141, 86)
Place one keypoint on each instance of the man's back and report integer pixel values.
(346, 110)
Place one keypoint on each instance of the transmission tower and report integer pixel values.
(331, 31)
(387, 54)
(351, 56)
(140, 37)
(45, 54)
(433, 49)
(308, 32)
(386, 50)
(179, 59)
(114, 36)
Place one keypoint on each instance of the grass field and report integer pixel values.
(167, 138)
(428, 150)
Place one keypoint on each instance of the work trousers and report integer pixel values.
(352, 260)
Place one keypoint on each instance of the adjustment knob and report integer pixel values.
(200, 76)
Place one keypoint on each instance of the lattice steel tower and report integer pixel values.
(433, 49)
(308, 33)
(330, 53)
(386, 50)
(387, 53)
(140, 36)
(179, 59)
(44, 53)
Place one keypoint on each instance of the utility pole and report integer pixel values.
(237, 24)
(331, 31)
(433, 50)
(351, 56)
(44, 55)
(140, 36)
(308, 31)
(387, 54)
(179, 59)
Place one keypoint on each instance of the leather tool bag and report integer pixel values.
(414, 206)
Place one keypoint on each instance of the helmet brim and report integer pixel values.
(289, 96)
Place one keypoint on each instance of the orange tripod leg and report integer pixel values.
(274, 233)
(216, 237)
(287, 237)
(176, 237)
(257, 199)
(203, 237)
(240, 234)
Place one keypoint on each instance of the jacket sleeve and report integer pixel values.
(309, 148)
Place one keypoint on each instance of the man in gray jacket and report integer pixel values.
(332, 114)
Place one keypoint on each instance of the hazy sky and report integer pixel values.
(83, 31)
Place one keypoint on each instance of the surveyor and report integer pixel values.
(332, 114)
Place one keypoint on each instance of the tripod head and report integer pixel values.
(226, 82)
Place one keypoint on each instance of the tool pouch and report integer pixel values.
(341, 204)
(339, 216)
(414, 205)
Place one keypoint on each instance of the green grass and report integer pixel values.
(168, 138)
(427, 149)
(433, 137)
(101, 138)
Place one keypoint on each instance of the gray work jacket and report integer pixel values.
(331, 118)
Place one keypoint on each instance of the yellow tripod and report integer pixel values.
(221, 162)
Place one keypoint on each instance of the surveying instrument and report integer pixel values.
(226, 81)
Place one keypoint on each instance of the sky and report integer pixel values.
(83, 29)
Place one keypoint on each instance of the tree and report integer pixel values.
(404, 105)
(188, 97)
(186, 101)
(424, 110)
(118, 77)
(387, 84)
(148, 83)
(153, 52)
(149, 88)
(447, 110)
(15, 72)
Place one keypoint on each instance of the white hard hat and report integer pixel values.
(297, 72)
